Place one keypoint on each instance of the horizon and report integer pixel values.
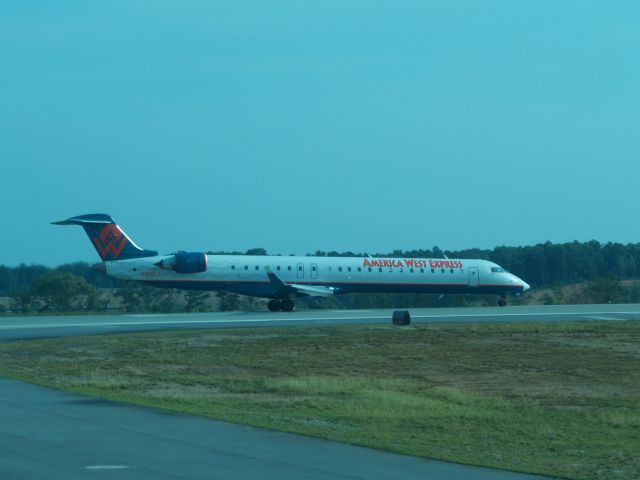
(341, 254)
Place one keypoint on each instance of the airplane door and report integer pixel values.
(314, 270)
(300, 270)
(474, 277)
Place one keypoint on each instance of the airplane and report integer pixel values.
(283, 278)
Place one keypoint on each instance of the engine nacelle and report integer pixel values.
(185, 262)
(190, 262)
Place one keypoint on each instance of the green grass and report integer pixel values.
(559, 399)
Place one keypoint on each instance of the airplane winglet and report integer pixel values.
(275, 279)
(297, 290)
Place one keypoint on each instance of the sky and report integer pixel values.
(298, 126)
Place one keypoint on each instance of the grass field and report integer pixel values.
(559, 399)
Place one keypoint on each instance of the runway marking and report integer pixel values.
(316, 319)
(106, 467)
(178, 322)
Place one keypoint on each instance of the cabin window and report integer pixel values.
(246, 267)
(359, 269)
(433, 270)
(369, 268)
(339, 269)
(411, 270)
(348, 269)
(422, 270)
(401, 270)
(451, 270)
(442, 271)
(289, 268)
(257, 267)
(278, 268)
(380, 269)
(233, 267)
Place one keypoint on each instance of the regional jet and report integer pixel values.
(283, 278)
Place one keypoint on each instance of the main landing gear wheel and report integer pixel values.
(502, 302)
(274, 306)
(285, 305)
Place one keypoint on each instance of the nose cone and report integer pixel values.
(518, 282)
(100, 267)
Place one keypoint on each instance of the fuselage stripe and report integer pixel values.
(338, 283)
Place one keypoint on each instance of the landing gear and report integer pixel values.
(502, 301)
(285, 305)
(273, 305)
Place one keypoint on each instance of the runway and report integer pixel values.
(47, 434)
(15, 328)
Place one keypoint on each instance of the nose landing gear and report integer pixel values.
(502, 301)
(285, 305)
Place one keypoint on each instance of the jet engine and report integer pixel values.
(185, 262)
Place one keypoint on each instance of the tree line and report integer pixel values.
(77, 287)
(544, 264)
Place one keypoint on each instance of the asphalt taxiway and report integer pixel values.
(47, 434)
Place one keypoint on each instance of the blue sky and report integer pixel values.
(298, 126)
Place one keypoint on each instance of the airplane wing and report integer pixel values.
(314, 290)
(292, 288)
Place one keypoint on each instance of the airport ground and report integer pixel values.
(559, 399)
(56, 299)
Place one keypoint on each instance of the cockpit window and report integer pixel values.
(497, 270)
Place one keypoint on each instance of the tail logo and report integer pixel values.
(111, 239)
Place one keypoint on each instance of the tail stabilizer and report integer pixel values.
(107, 237)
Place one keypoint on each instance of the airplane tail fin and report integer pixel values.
(107, 237)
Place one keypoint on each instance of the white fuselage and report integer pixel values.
(337, 275)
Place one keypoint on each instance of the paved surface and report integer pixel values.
(12, 328)
(46, 434)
